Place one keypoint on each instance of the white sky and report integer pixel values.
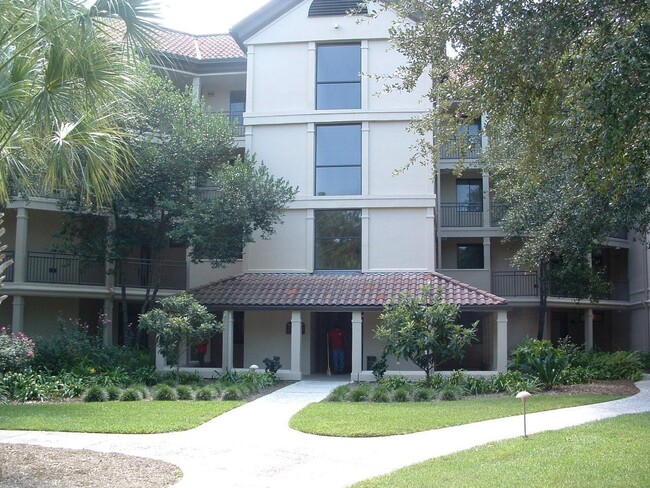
(206, 16)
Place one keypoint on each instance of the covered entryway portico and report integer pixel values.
(290, 315)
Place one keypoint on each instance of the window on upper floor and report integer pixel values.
(469, 256)
(469, 194)
(338, 76)
(337, 244)
(338, 159)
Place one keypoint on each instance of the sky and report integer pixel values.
(206, 16)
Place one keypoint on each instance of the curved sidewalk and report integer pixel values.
(252, 446)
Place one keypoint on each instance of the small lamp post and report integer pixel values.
(523, 396)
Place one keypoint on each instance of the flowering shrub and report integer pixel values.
(16, 350)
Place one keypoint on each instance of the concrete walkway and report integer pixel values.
(252, 446)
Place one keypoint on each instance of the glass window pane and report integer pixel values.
(332, 96)
(470, 256)
(344, 180)
(338, 145)
(339, 63)
(338, 240)
(469, 195)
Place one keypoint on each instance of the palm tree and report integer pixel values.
(66, 78)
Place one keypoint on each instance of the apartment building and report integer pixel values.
(293, 75)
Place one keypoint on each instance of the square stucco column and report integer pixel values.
(161, 364)
(589, 329)
(296, 339)
(502, 340)
(228, 326)
(18, 314)
(357, 345)
(107, 322)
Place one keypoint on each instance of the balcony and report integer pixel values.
(461, 215)
(46, 267)
(236, 118)
(9, 272)
(451, 152)
(514, 284)
(136, 273)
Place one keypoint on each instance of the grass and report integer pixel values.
(347, 419)
(112, 417)
(610, 453)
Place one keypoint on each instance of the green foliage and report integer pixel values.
(645, 360)
(550, 371)
(359, 393)
(27, 386)
(394, 382)
(165, 393)
(272, 365)
(131, 395)
(95, 394)
(184, 392)
(567, 113)
(227, 376)
(205, 394)
(16, 351)
(379, 394)
(422, 329)
(450, 392)
(380, 367)
(619, 365)
(233, 392)
(422, 394)
(180, 322)
(339, 394)
(402, 394)
(113, 393)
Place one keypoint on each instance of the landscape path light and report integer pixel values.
(523, 396)
(253, 368)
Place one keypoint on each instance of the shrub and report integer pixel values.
(550, 371)
(339, 394)
(394, 382)
(435, 382)
(70, 385)
(165, 393)
(423, 394)
(184, 392)
(645, 360)
(478, 386)
(95, 394)
(28, 386)
(619, 365)
(531, 349)
(450, 392)
(379, 394)
(227, 376)
(360, 393)
(113, 393)
(131, 395)
(513, 382)
(232, 393)
(402, 394)
(272, 365)
(205, 394)
(16, 351)
(380, 367)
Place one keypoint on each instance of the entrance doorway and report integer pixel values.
(323, 322)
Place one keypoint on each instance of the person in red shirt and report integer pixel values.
(201, 349)
(337, 344)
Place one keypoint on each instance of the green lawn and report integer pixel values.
(377, 419)
(112, 417)
(612, 453)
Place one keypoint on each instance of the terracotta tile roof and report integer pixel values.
(302, 290)
(208, 47)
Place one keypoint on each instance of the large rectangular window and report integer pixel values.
(338, 76)
(469, 256)
(337, 240)
(338, 159)
(469, 195)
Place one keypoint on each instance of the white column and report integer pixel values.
(196, 88)
(365, 240)
(430, 239)
(487, 254)
(502, 340)
(311, 76)
(20, 251)
(296, 339)
(310, 241)
(365, 158)
(357, 345)
(589, 329)
(365, 81)
(18, 318)
(227, 349)
(310, 158)
(486, 200)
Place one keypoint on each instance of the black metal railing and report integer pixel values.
(237, 119)
(514, 284)
(47, 267)
(452, 151)
(139, 273)
(9, 272)
(461, 215)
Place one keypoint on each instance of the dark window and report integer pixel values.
(469, 256)
(338, 159)
(338, 78)
(469, 195)
(337, 240)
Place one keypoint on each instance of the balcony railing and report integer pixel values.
(46, 267)
(9, 272)
(451, 151)
(514, 284)
(461, 215)
(137, 273)
(237, 119)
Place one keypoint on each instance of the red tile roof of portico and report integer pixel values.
(334, 290)
(213, 47)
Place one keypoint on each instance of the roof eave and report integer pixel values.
(259, 19)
